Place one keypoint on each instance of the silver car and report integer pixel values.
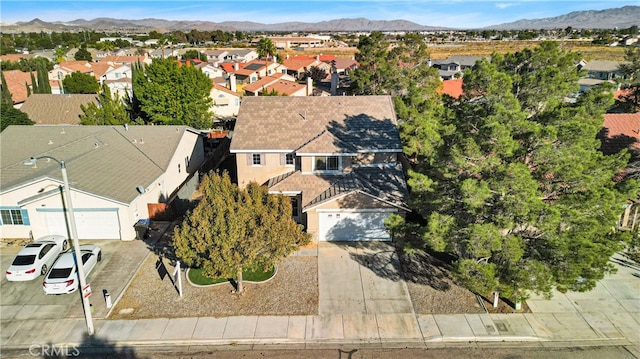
(36, 257)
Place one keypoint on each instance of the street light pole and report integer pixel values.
(86, 306)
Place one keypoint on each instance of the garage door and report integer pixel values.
(353, 226)
(90, 224)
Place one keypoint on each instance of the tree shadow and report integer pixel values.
(379, 257)
(90, 347)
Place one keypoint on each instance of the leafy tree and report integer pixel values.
(515, 187)
(368, 78)
(316, 73)
(10, 115)
(83, 54)
(166, 93)
(234, 229)
(61, 54)
(43, 79)
(266, 48)
(109, 110)
(6, 99)
(631, 71)
(77, 82)
(194, 54)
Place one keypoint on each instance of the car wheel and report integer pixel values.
(43, 271)
(65, 244)
(99, 256)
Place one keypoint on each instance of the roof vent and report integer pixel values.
(50, 142)
(62, 132)
(304, 116)
(141, 140)
(134, 141)
(96, 145)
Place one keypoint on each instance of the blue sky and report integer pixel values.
(448, 13)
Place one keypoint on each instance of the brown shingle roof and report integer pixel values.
(48, 109)
(365, 123)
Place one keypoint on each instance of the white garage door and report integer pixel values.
(353, 226)
(90, 224)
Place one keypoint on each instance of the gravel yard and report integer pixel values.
(293, 291)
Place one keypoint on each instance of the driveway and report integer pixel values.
(360, 278)
(22, 301)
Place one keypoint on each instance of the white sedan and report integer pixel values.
(63, 277)
(36, 257)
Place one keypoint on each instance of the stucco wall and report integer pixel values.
(260, 174)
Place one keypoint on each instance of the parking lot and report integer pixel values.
(26, 300)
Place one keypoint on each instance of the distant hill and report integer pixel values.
(109, 24)
(621, 18)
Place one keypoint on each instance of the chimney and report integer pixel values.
(287, 57)
(429, 62)
(126, 127)
(318, 58)
(309, 86)
(334, 83)
(236, 66)
(232, 82)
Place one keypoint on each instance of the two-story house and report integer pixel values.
(454, 66)
(336, 157)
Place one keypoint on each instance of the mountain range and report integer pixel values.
(622, 18)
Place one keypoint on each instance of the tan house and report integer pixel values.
(336, 157)
(117, 175)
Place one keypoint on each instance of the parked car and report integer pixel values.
(36, 257)
(62, 277)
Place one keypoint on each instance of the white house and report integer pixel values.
(226, 101)
(119, 81)
(116, 174)
(210, 70)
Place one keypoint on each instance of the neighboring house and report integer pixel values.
(119, 81)
(126, 60)
(48, 109)
(294, 42)
(454, 66)
(17, 82)
(226, 102)
(15, 57)
(250, 72)
(343, 66)
(210, 70)
(163, 53)
(297, 66)
(452, 88)
(241, 55)
(216, 57)
(336, 157)
(598, 72)
(66, 68)
(622, 131)
(117, 175)
(256, 88)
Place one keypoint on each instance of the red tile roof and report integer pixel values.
(620, 130)
(452, 88)
(16, 81)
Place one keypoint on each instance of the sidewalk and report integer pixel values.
(380, 330)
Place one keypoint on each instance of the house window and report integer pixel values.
(12, 216)
(178, 168)
(186, 162)
(256, 160)
(327, 163)
(288, 159)
(294, 207)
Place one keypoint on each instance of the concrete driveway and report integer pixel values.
(360, 278)
(22, 301)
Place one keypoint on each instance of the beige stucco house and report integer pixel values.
(116, 173)
(336, 157)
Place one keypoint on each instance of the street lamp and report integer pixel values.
(74, 238)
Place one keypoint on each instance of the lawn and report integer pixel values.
(259, 275)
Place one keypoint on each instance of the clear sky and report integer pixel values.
(447, 13)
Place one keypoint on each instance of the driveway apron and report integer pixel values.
(360, 278)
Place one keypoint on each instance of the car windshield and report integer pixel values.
(59, 273)
(24, 260)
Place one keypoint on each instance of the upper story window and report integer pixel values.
(256, 159)
(289, 159)
(327, 163)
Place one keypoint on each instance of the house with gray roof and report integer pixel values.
(336, 157)
(453, 66)
(599, 72)
(57, 109)
(117, 174)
